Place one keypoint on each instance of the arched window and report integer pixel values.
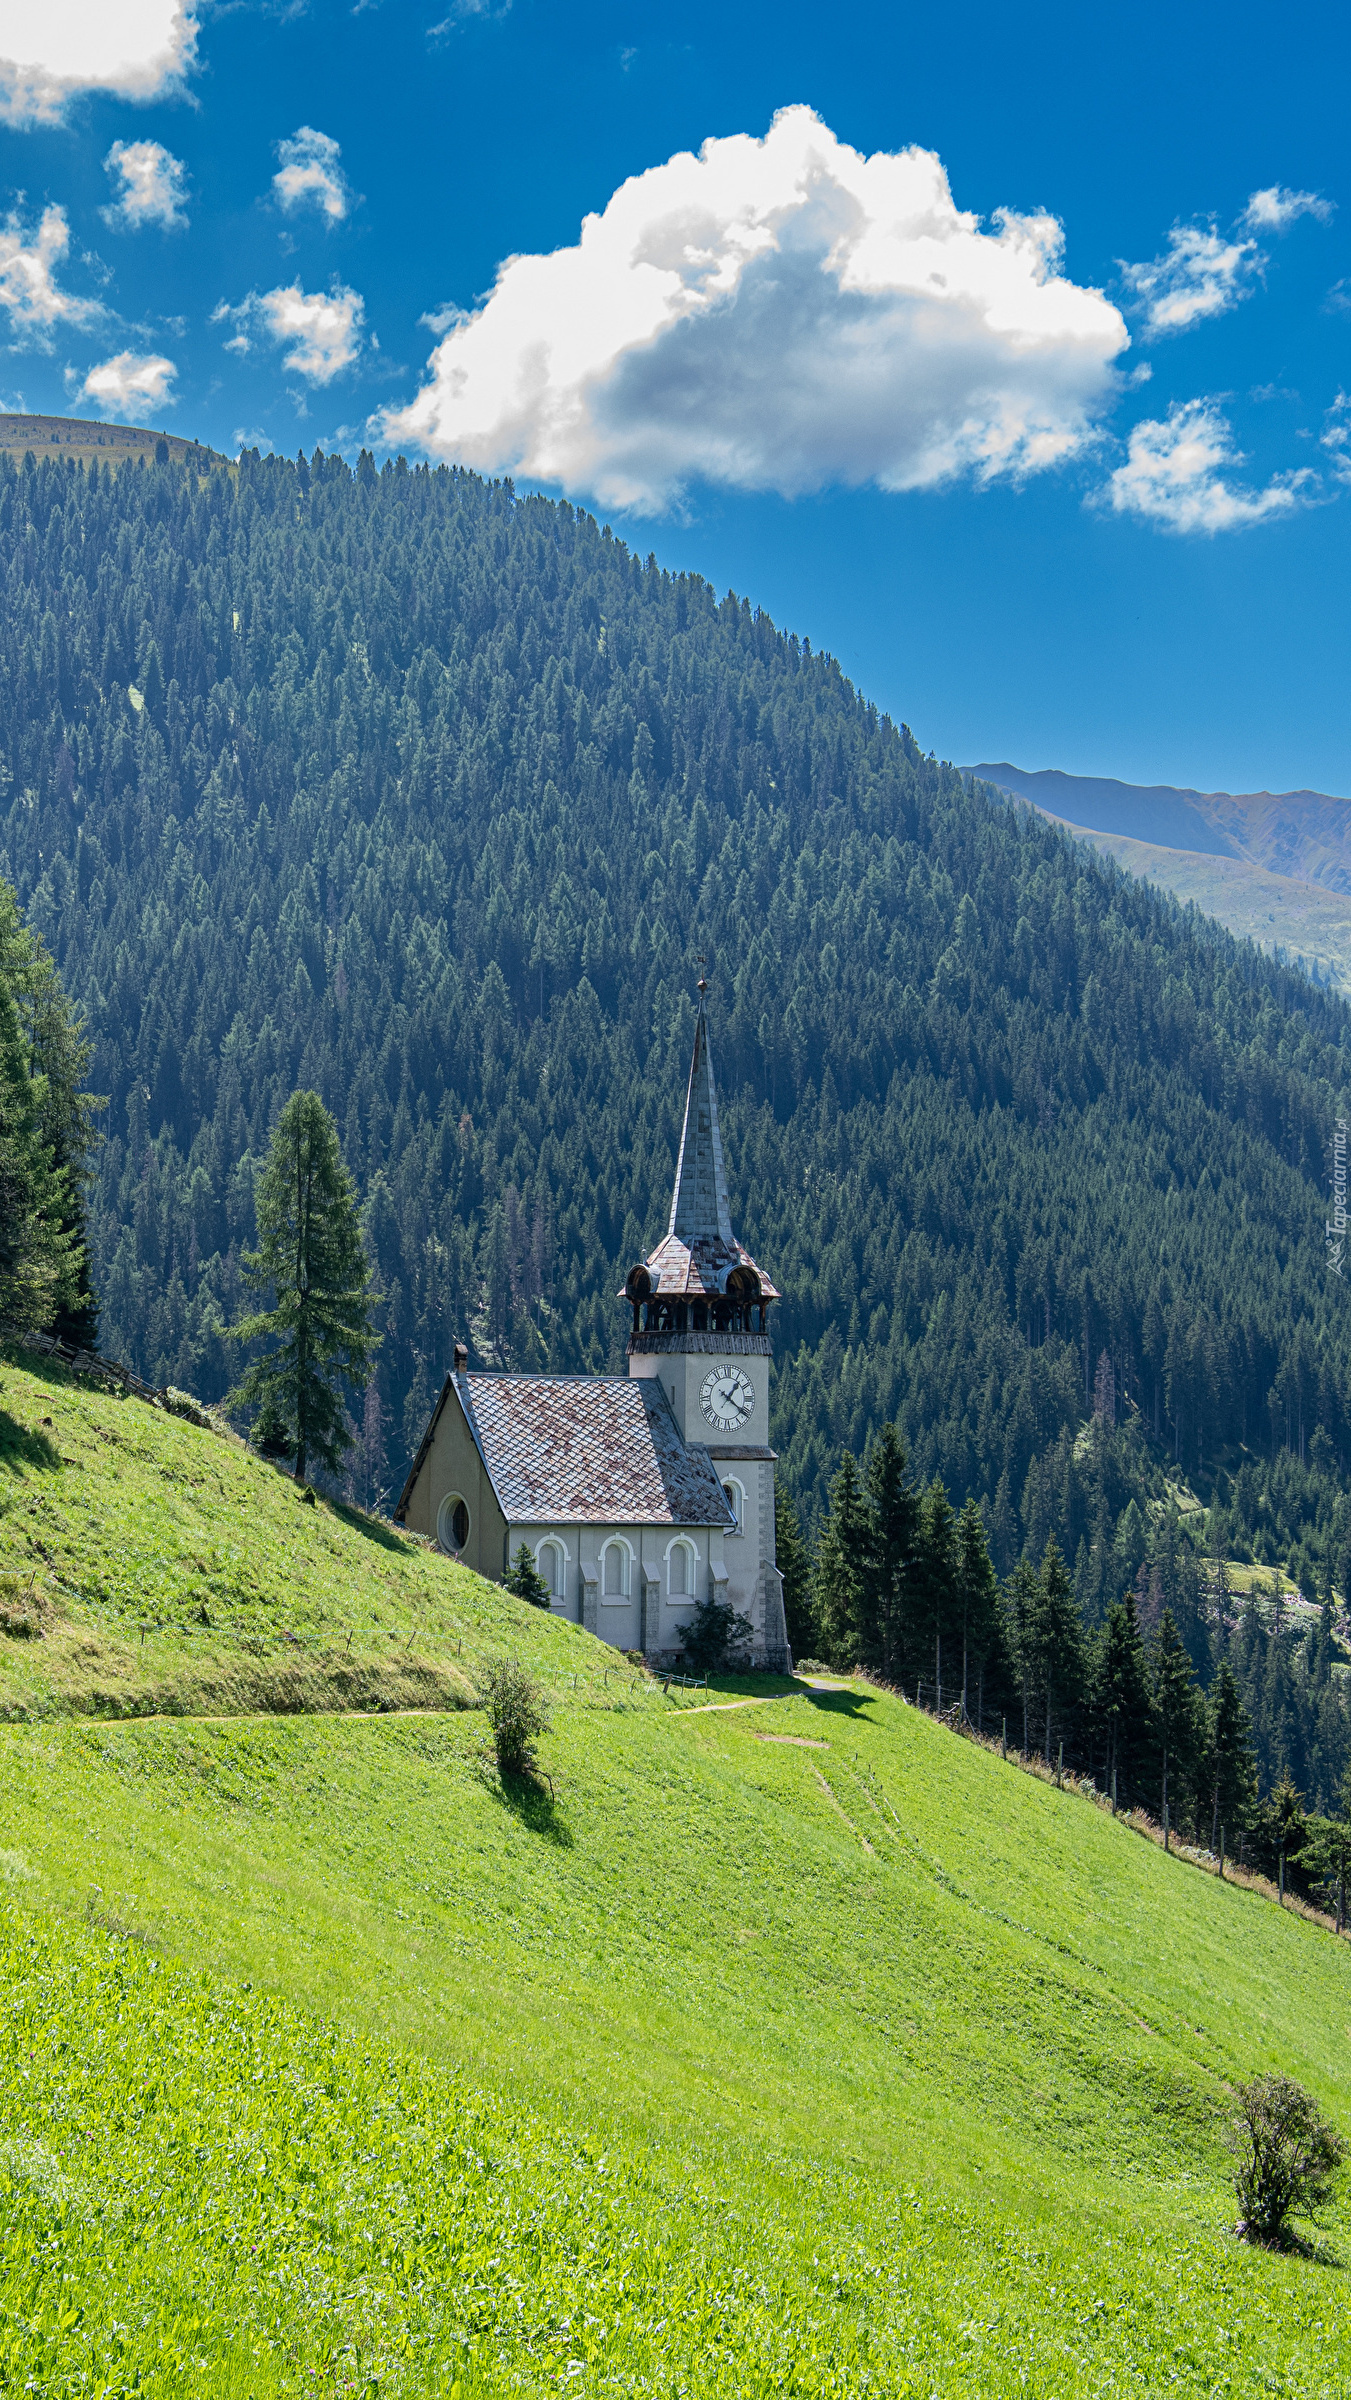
(735, 1497)
(452, 1522)
(553, 1567)
(680, 1564)
(614, 1583)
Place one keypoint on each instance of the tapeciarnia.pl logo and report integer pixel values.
(1335, 1229)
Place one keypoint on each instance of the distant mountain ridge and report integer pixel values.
(1302, 834)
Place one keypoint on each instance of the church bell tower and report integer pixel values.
(701, 1326)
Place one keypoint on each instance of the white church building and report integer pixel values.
(638, 1495)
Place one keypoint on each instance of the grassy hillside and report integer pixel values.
(84, 440)
(788, 2045)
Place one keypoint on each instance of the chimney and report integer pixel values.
(461, 1358)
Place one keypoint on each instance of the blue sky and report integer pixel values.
(1001, 353)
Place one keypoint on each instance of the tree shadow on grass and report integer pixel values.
(24, 1446)
(531, 1801)
(372, 1528)
(839, 1704)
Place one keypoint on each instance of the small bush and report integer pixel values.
(717, 1637)
(526, 1581)
(1286, 2154)
(517, 1713)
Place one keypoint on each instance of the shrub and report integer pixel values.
(1286, 2156)
(716, 1636)
(526, 1581)
(516, 1712)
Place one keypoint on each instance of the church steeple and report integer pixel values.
(699, 1281)
(699, 1210)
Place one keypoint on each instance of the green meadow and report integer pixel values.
(779, 2042)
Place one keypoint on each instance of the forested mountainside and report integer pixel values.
(425, 795)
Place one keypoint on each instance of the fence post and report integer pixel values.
(1221, 1853)
(1060, 1766)
(1281, 1884)
(1004, 1737)
(1114, 1790)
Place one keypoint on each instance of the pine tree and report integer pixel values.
(525, 1579)
(1058, 1648)
(311, 1258)
(55, 1055)
(1020, 1608)
(1176, 1716)
(937, 1620)
(38, 1264)
(794, 1564)
(891, 1573)
(1121, 1700)
(978, 1595)
(841, 1568)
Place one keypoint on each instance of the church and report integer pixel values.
(637, 1495)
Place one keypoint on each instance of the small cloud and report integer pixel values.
(244, 439)
(129, 384)
(1174, 475)
(1273, 210)
(465, 12)
(310, 175)
(28, 285)
(153, 186)
(1201, 274)
(1338, 301)
(323, 329)
(440, 320)
(1336, 437)
(52, 50)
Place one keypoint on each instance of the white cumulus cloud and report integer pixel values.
(310, 174)
(1275, 208)
(51, 50)
(775, 314)
(1176, 474)
(153, 186)
(1202, 273)
(323, 329)
(129, 384)
(28, 286)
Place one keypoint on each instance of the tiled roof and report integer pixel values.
(589, 1450)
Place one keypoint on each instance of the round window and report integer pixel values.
(452, 1522)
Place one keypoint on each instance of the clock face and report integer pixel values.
(727, 1398)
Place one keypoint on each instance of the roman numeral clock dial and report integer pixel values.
(727, 1398)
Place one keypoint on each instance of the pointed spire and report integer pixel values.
(699, 1210)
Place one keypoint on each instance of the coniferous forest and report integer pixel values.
(397, 787)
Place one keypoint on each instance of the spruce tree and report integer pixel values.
(978, 1598)
(1231, 1772)
(38, 1258)
(525, 1579)
(1058, 1648)
(891, 1573)
(1121, 1700)
(842, 1568)
(794, 1564)
(55, 1057)
(311, 1258)
(1176, 1716)
(937, 1622)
